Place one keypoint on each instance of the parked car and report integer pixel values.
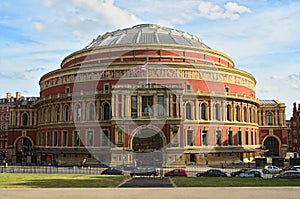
(126, 167)
(237, 173)
(272, 169)
(288, 174)
(151, 171)
(253, 173)
(112, 171)
(212, 173)
(289, 168)
(176, 172)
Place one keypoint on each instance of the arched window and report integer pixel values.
(237, 113)
(245, 114)
(188, 111)
(228, 112)
(25, 119)
(66, 110)
(250, 113)
(217, 111)
(270, 118)
(106, 110)
(92, 111)
(78, 113)
(203, 111)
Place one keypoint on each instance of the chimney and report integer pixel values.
(8, 95)
(18, 95)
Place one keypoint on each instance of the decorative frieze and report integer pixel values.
(216, 76)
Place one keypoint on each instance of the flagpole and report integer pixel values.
(147, 72)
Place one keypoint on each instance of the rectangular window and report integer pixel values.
(218, 138)
(64, 138)
(189, 138)
(230, 138)
(55, 138)
(247, 137)
(252, 137)
(106, 88)
(188, 87)
(147, 103)
(161, 106)
(90, 139)
(204, 137)
(105, 138)
(133, 106)
(239, 137)
(43, 139)
(76, 138)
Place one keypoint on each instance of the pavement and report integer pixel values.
(150, 193)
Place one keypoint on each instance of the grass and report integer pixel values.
(232, 182)
(59, 181)
(103, 181)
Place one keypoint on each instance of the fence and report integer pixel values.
(50, 170)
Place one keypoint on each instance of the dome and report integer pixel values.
(146, 34)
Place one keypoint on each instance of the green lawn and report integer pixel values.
(232, 182)
(59, 181)
(101, 181)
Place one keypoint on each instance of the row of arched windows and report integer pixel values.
(248, 114)
(54, 114)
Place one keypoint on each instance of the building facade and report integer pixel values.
(146, 95)
(273, 128)
(294, 129)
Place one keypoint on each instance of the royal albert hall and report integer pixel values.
(147, 95)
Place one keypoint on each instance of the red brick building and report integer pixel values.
(294, 128)
(146, 94)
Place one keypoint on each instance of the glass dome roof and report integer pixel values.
(146, 34)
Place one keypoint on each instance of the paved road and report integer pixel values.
(150, 193)
(137, 182)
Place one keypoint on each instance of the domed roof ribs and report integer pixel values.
(122, 35)
(147, 33)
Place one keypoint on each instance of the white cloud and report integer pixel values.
(231, 10)
(107, 11)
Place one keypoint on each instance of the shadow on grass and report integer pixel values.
(75, 182)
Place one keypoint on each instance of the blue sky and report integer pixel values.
(261, 36)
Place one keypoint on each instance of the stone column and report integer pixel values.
(18, 118)
(30, 118)
(276, 117)
(122, 106)
(197, 110)
(113, 105)
(35, 118)
(61, 112)
(139, 106)
(171, 105)
(155, 106)
(259, 117)
(167, 105)
(177, 106)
